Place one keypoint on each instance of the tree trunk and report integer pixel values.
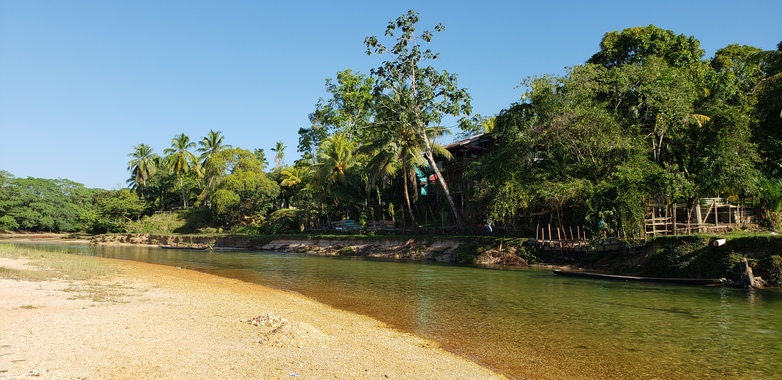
(407, 197)
(182, 189)
(441, 180)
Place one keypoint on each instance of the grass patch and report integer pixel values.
(97, 291)
(50, 265)
(86, 277)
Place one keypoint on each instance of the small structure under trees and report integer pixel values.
(703, 215)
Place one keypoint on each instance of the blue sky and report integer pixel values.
(83, 82)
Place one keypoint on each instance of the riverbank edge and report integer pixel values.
(466, 250)
(654, 260)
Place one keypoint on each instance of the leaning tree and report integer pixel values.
(424, 94)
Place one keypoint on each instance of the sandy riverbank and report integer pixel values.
(149, 321)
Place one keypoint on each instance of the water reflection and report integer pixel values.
(526, 323)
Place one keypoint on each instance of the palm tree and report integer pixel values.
(279, 150)
(400, 148)
(180, 161)
(291, 180)
(336, 156)
(488, 124)
(209, 146)
(141, 166)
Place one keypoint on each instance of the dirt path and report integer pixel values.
(153, 321)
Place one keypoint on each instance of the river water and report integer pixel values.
(526, 323)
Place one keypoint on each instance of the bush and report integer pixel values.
(160, 223)
(347, 251)
(770, 268)
(284, 221)
(693, 258)
(468, 252)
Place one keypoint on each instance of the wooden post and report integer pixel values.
(654, 221)
(674, 218)
(730, 214)
(665, 214)
(550, 236)
(716, 213)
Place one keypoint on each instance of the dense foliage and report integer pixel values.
(645, 120)
(35, 204)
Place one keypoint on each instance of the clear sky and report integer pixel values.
(83, 82)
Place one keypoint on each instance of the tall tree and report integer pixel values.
(350, 108)
(244, 195)
(769, 110)
(209, 146)
(395, 147)
(335, 157)
(180, 160)
(635, 45)
(279, 154)
(260, 155)
(425, 95)
(142, 165)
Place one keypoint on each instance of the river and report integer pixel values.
(525, 321)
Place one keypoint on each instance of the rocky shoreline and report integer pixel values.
(436, 249)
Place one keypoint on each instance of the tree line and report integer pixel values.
(647, 119)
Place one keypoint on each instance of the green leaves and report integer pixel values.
(420, 95)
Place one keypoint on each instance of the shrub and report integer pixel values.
(770, 268)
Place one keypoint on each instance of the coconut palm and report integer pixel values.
(180, 160)
(209, 146)
(399, 147)
(142, 165)
(292, 179)
(279, 154)
(336, 156)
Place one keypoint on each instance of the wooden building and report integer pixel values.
(463, 153)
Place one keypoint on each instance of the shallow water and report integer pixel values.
(526, 323)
